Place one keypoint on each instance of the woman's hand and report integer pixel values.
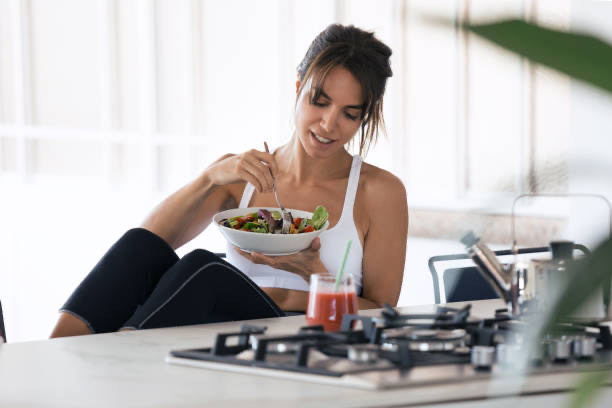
(305, 263)
(252, 166)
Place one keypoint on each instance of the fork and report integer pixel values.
(287, 218)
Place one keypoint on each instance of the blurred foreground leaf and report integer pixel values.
(584, 279)
(589, 59)
(580, 56)
(587, 389)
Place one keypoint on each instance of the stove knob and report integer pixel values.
(584, 346)
(482, 356)
(559, 349)
(508, 354)
(367, 353)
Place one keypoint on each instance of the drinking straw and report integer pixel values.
(341, 270)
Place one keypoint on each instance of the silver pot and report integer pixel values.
(544, 275)
(532, 286)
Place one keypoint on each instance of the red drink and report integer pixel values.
(327, 306)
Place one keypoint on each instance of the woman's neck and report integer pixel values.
(302, 169)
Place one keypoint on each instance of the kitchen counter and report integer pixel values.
(128, 369)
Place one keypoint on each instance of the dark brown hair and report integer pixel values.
(364, 56)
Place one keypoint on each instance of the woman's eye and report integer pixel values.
(351, 117)
(317, 103)
(324, 104)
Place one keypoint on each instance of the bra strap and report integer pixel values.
(246, 195)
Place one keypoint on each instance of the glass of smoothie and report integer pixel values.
(326, 304)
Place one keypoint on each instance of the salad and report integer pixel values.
(271, 222)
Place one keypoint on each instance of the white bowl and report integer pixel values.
(267, 244)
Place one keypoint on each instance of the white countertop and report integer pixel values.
(128, 369)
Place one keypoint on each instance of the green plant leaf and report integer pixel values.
(589, 59)
(582, 281)
(578, 55)
(587, 388)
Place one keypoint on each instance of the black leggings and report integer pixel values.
(141, 283)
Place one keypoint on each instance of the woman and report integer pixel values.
(141, 283)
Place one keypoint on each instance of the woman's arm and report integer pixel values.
(187, 212)
(384, 251)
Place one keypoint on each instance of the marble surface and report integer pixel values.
(128, 369)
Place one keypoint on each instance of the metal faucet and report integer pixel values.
(505, 280)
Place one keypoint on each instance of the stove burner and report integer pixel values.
(363, 353)
(274, 347)
(456, 334)
(393, 341)
(462, 350)
(423, 334)
(426, 339)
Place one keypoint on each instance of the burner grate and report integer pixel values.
(391, 341)
(426, 358)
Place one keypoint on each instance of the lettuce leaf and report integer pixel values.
(319, 217)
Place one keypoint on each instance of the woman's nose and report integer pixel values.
(329, 119)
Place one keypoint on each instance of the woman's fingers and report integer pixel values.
(250, 173)
(260, 170)
(315, 244)
(245, 254)
(256, 257)
(268, 159)
(253, 166)
(300, 263)
(262, 259)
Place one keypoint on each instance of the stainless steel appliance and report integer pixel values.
(531, 286)
(526, 287)
(398, 350)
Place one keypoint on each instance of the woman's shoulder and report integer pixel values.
(381, 191)
(374, 179)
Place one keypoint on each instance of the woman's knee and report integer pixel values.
(198, 262)
(142, 236)
(70, 325)
(200, 257)
(137, 234)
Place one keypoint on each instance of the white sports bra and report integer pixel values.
(333, 244)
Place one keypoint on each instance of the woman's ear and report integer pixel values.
(298, 82)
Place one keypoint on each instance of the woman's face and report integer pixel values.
(324, 126)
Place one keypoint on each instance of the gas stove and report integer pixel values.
(405, 350)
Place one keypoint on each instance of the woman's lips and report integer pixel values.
(314, 136)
